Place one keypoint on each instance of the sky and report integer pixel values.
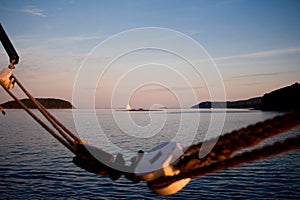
(248, 48)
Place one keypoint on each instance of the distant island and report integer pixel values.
(283, 99)
(253, 103)
(130, 109)
(49, 103)
(137, 110)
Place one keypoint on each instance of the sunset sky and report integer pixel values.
(255, 45)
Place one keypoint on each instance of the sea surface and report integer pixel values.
(33, 165)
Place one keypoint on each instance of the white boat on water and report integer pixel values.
(128, 107)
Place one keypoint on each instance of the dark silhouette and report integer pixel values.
(253, 103)
(47, 103)
(283, 99)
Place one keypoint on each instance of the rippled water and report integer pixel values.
(34, 165)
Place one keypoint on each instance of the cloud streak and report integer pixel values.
(60, 40)
(262, 54)
(258, 75)
(33, 10)
(171, 89)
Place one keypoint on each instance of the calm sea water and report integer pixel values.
(34, 165)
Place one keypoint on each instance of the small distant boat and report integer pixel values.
(128, 107)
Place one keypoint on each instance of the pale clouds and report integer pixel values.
(163, 89)
(259, 74)
(262, 54)
(33, 10)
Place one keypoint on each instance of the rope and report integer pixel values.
(49, 116)
(230, 143)
(221, 155)
(65, 136)
(38, 120)
(257, 154)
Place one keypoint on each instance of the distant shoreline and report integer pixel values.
(136, 110)
(283, 99)
(49, 103)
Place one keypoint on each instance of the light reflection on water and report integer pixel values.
(34, 165)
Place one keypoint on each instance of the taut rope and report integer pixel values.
(64, 135)
(243, 138)
(220, 157)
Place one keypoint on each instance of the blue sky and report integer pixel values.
(255, 44)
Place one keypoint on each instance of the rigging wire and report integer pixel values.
(38, 120)
(49, 116)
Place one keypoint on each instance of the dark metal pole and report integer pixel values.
(9, 48)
